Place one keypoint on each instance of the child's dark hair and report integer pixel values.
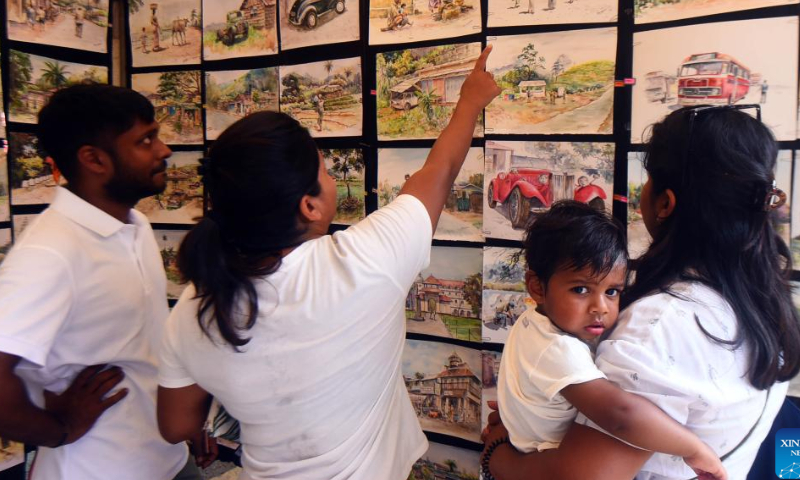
(574, 236)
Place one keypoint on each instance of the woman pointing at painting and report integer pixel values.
(299, 334)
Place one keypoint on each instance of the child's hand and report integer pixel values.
(706, 464)
(479, 89)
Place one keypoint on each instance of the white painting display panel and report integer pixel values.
(403, 21)
(512, 13)
(307, 22)
(648, 11)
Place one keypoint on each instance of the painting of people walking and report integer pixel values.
(512, 13)
(505, 296)
(314, 22)
(177, 101)
(231, 95)
(79, 24)
(648, 11)
(403, 21)
(239, 28)
(34, 177)
(446, 462)
(182, 201)
(168, 32)
(346, 166)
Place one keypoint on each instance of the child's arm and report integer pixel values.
(639, 422)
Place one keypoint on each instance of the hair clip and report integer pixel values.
(775, 197)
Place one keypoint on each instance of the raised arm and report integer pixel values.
(432, 183)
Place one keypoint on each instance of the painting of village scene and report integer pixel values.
(462, 217)
(511, 13)
(782, 216)
(178, 104)
(444, 384)
(403, 21)
(324, 96)
(168, 243)
(34, 177)
(182, 200)
(648, 11)
(168, 32)
(231, 95)
(346, 166)
(34, 79)
(446, 463)
(419, 88)
(445, 299)
(239, 28)
(491, 372)
(79, 24)
(559, 82)
(526, 177)
(5, 210)
(505, 297)
(718, 64)
(638, 238)
(318, 22)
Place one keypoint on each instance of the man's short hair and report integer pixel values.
(88, 114)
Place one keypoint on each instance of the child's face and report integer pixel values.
(579, 303)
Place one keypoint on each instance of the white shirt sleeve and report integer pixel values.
(36, 294)
(565, 362)
(171, 372)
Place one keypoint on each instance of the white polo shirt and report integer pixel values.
(82, 288)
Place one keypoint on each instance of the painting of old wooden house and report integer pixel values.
(511, 13)
(239, 28)
(648, 11)
(34, 177)
(182, 200)
(168, 243)
(177, 101)
(5, 211)
(231, 95)
(168, 32)
(79, 24)
(318, 22)
(446, 462)
(419, 88)
(346, 166)
(505, 297)
(403, 21)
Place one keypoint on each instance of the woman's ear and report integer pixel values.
(535, 287)
(665, 204)
(310, 210)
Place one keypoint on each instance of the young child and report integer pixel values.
(577, 268)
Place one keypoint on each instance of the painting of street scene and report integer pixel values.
(445, 299)
(177, 101)
(446, 463)
(168, 243)
(559, 82)
(511, 13)
(638, 238)
(11, 453)
(34, 79)
(34, 177)
(462, 217)
(168, 32)
(419, 88)
(5, 210)
(403, 21)
(231, 95)
(239, 28)
(444, 384)
(318, 22)
(324, 96)
(346, 166)
(526, 177)
(505, 297)
(648, 11)
(182, 200)
(491, 371)
(782, 216)
(718, 64)
(80, 24)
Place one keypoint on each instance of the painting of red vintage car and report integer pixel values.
(523, 190)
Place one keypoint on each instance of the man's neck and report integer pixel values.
(100, 200)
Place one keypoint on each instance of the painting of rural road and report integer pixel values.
(79, 24)
(648, 11)
(318, 22)
(462, 217)
(505, 297)
(512, 13)
(720, 64)
(403, 21)
(239, 28)
(166, 33)
(324, 96)
(177, 101)
(346, 166)
(34, 178)
(446, 462)
(182, 200)
(231, 95)
(559, 82)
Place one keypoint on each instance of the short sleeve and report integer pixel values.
(36, 294)
(171, 372)
(564, 362)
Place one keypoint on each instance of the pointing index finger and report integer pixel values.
(480, 64)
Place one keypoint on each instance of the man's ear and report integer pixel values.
(94, 160)
(535, 287)
(310, 209)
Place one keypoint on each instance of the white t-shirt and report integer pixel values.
(318, 390)
(658, 351)
(538, 362)
(82, 288)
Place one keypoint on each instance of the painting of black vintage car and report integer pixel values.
(308, 12)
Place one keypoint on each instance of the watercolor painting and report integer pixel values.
(505, 297)
(11, 453)
(491, 371)
(445, 299)
(447, 463)
(21, 222)
(239, 28)
(513, 13)
(526, 177)
(638, 238)
(419, 88)
(182, 201)
(168, 32)
(34, 79)
(346, 166)
(444, 384)
(324, 96)
(795, 222)
(559, 82)
(403, 21)
(649, 11)
(318, 22)
(5, 209)
(231, 95)
(5, 243)
(782, 216)
(177, 101)
(462, 217)
(34, 177)
(168, 243)
(79, 24)
(719, 64)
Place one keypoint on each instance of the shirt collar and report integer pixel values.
(87, 215)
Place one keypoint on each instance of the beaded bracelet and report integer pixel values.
(487, 455)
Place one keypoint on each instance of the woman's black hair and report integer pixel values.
(255, 175)
(720, 165)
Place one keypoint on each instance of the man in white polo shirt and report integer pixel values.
(83, 300)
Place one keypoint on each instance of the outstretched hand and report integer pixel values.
(479, 89)
(706, 464)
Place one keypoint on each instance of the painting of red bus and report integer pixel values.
(713, 78)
